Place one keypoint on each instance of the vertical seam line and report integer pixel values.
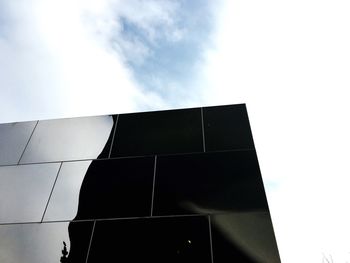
(210, 240)
(30, 137)
(53, 187)
(203, 135)
(154, 179)
(114, 131)
(92, 234)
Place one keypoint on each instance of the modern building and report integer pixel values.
(166, 186)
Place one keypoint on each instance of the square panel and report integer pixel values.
(13, 139)
(68, 139)
(227, 128)
(243, 237)
(25, 190)
(64, 200)
(208, 183)
(176, 239)
(173, 131)
(33, 243)
(117, 188)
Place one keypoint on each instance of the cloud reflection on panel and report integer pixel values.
(54, 140)
(68, 139)
(13, 139)
(34, 243)
(24, 191)
(97, 136)
(246, 237)
(65, 196)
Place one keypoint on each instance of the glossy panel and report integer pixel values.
(79, 247)
(64, 200)
(179, 239)
(68, 139)
(117, 188)
(25, 190)
(243, 237)
(37, 243)
(13, 139)
(208, 183)
(107, 148)
(227, 128)
(174, 131)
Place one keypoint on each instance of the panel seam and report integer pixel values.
(114, 131)
(30, 137)
(53, 187)
(203, 135)
(92, 234)
(154, 179)
(128, 156)
(210, 240)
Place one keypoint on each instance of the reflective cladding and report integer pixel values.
(173, 131)
(208, 183)
(117, 188)
(227, 128)
(244, 237)
(182, 205)
(68, 139)
(25, 190)
(107, 147)
(63, 204)
(43, 243)
(177, 239)
(13, 139)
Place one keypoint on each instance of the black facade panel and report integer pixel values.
(117, 188)
(173, 131)
(79, 248)
(227, 128)
(180, 239)
(208, 183)
(243, 237)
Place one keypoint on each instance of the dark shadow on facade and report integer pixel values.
(79, 243)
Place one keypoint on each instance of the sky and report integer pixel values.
(289, 61)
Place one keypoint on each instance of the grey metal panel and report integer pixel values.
(63, 204)
(44, 243)
(13, 139)
(24, 191)
(68, 139)
(33, 243)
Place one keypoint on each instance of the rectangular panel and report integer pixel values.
(68, 139)
(25, 190)
(243, 237)
(227, 128)
(114, 188)
(178, 239)
(64, 200)
(208, 183)
(173, 131)
(43, 243)
(13, 139)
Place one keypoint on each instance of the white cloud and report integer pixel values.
(151, 16)
(289, 61)
(57, 57)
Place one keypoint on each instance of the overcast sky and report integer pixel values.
(288, 60)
